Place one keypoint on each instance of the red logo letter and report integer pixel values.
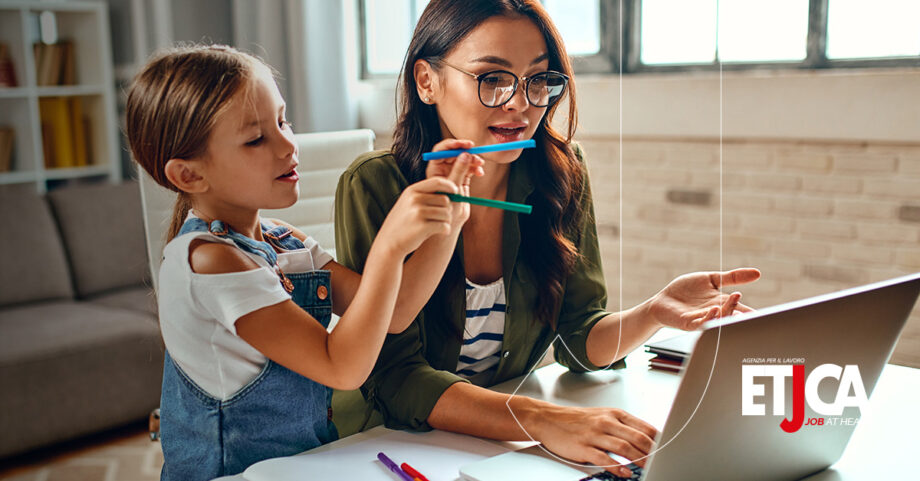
(798, 400)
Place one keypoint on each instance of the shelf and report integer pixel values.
(14, 92)
(73, 172)
(69, 90)
(14, 177)
(52, 5)
(56, 91)
(43, 125)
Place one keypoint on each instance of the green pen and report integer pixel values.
(513, 207)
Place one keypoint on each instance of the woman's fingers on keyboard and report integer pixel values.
(636, 423)
(622, 447)
(600, 458)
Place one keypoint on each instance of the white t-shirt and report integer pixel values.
(198, 312)
(484, 332)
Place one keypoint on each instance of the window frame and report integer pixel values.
(364, 72)
(608, 59)
(815, 47)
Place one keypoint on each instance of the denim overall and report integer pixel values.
(279, 413)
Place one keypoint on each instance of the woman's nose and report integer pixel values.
(518, 101)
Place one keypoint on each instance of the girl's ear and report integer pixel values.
(186, 175)
(426, 81)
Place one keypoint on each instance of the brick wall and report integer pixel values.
(814, 217)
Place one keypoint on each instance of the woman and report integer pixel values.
(490, 71)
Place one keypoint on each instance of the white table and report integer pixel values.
(884, 446)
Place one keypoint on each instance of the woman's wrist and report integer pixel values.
(641, 316)
(531, 414)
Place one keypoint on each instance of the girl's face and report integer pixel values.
(514, 44)
(251, 158)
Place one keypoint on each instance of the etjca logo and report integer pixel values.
(803, 390)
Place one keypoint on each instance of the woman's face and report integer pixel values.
(514, 44)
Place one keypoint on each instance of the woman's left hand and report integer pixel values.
(692, 299)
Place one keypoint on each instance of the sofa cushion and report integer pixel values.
(34, 264)
(56, 328)
(103, 234)
(72, 368)
(133, 298)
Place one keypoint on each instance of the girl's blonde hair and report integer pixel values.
(174, 103)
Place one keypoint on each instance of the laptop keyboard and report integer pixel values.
(606, 476)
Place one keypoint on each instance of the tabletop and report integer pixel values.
(883, 445)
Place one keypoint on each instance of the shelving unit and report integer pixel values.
(86, 25)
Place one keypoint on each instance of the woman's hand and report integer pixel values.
(586, 435)
(453, 168)
(692, 299)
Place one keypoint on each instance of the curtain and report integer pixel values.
(308, 43)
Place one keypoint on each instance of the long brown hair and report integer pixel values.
(550, 250)
(173, 105)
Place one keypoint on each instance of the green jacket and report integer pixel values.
(417, 365)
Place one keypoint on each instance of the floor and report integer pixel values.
(124, 454)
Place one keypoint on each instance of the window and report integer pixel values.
(891, 28)
(580, 24)
(677, 35)
(704, 31)
(388, 25)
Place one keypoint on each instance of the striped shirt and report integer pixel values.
(484, 331)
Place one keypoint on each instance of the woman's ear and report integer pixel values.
(186, 175)
(426, 81)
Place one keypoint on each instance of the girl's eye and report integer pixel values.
(255, 142)
(285, 124)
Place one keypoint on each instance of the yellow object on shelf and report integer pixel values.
(65, 132)
(79, 129)
(7, 135)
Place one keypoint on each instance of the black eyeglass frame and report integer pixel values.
(517, 82)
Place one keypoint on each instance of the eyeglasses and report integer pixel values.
(498, 86)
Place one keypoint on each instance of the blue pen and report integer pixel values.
(482, 149)
(393, 467)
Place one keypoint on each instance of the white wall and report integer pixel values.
(863, 104)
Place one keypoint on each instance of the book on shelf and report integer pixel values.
(65, 132)
(7, 136)
(7, 70)
(78, 122)
(54, 63)
(670, 354)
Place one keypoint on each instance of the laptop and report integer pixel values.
(769, 395)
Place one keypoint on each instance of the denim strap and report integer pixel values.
(259, 248)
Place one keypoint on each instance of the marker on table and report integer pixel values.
(393, 467)
(482, 149)
(412, 472)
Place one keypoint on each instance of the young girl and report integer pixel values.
(244, 302)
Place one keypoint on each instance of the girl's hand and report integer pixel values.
(692, 299)
(418, 214)
(586, 435)
(458, 169)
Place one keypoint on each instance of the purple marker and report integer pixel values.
(393, 467)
